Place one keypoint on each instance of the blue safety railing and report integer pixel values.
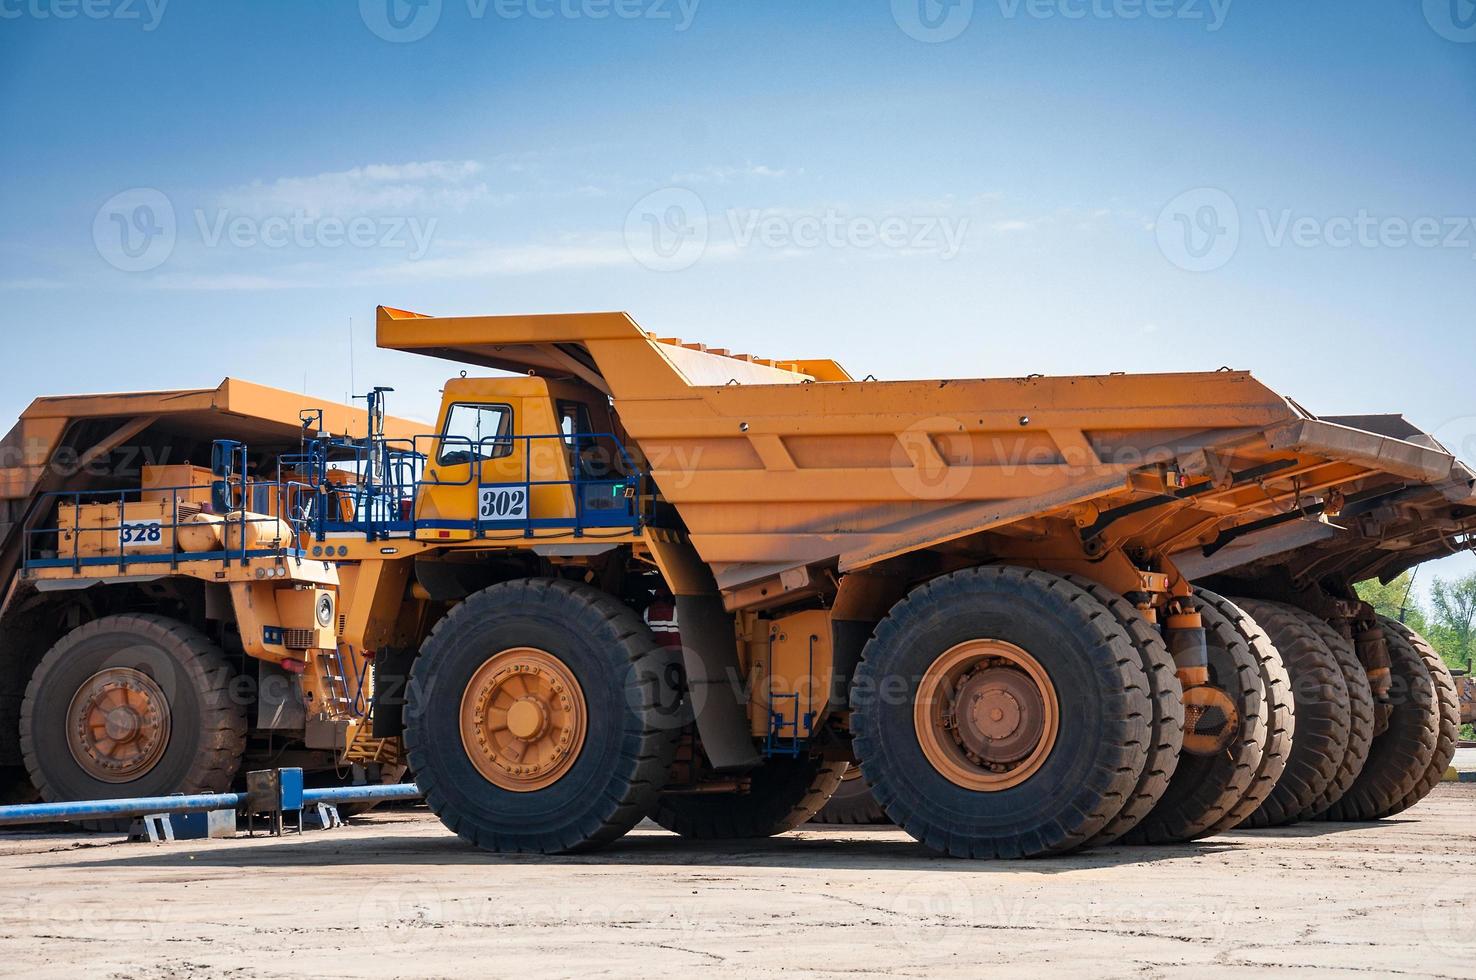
(155, 540)
(387, 480)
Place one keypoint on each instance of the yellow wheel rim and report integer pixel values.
(986, 715)
(118, 724)
(523, 719)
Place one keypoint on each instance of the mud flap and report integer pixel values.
(714, 682)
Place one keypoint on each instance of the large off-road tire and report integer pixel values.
(1280, 713)
(1448, 703)
(1165, 694)
(781, 794)
(1204, 789)
(542, 716)
(1320, 740)
(129, 706)
(852, 802)
(1360, 713)
(1051, 771)
(1401, 754)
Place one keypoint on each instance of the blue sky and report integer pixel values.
(918, 189)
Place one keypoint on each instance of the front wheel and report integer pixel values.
(542, 716)
(131, 706)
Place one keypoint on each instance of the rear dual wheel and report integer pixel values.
(852, 802)
(1360, 713)
(1001, 712)
(1207, 791)
(1399, 757)
(1445, 714)
(1165, 696)
(776, 797)
(1323, 714)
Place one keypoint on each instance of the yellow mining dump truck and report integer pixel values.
(642, 577)
(141, 555)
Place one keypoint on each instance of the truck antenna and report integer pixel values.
(353, 384)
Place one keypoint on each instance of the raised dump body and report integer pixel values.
(781, 464)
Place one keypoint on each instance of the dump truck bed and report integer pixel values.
(775, 463)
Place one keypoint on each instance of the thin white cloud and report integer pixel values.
(32, 283)
(728, 174)
(438, 185)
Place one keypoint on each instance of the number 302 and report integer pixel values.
(504, 504)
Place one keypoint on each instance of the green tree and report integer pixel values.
(1396, 600)
(1453, 613)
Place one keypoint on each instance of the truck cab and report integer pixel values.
(517, 454)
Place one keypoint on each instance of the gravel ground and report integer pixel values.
(397, 896)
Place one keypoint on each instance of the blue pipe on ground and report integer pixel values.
(31, 813)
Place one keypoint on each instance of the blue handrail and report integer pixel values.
(389, 505)
(141, 541)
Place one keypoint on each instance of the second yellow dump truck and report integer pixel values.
(641, 577)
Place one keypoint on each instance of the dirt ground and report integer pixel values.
(397, 896)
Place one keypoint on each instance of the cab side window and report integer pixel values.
(476, 432)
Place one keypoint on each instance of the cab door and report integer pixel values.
(475, 471)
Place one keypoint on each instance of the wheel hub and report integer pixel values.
(1211, 720)
(523, 719)
(986, 715)
(1001, 714)
(118, 724)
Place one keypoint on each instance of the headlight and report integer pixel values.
(325, 611)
